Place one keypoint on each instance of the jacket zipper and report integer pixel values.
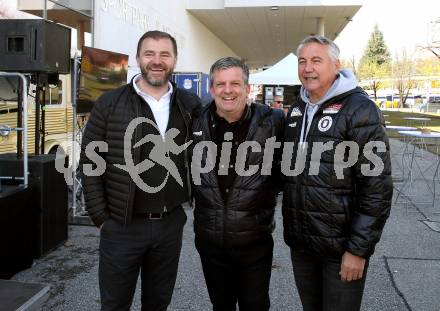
(250, 132)
(186, 160)
(135, 161)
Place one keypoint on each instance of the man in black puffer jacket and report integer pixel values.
(337, 200)
(235, 198)
(145, 126)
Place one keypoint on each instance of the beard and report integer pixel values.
(156, 81)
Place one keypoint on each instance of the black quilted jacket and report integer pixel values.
(325, 215)
(112, 193)
(247, 215)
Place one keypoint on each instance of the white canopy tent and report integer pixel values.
(285, 72)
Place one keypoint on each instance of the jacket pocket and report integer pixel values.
(342, 203)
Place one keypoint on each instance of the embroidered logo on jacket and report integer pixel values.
(295, 112)
(325, 123)
(333, 108)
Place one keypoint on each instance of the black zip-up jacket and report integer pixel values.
(112, 193)
(246, 216)
(325, 215)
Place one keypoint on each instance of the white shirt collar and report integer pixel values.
(165, 96)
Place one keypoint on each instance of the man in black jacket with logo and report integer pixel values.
(235, 197)
(336, 205)
(144, 128)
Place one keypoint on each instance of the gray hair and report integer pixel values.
(229, 62)
(332, 48)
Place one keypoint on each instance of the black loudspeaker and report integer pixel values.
(51, 198)
(34, 45)
(18, 215)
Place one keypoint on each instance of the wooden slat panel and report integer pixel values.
(58, 121)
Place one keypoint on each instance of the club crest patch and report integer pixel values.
(333, 108)
(325, 123)
(295, 112)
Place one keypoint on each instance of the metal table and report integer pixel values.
(401, 151)
(422, 120)
(407, 186)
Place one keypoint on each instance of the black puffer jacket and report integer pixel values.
(247, 215)
(325, 215)
(112, 193)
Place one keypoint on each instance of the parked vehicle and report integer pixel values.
(432, 104)
(58, 118)
(430, 107)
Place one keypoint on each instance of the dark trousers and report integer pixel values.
(320, 287)
(151, 246)
(239, 274)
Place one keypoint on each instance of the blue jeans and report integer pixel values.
(319, 284)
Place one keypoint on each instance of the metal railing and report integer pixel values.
(5, 129)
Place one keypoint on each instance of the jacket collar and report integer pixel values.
(214, 117)
(173, 94)
(255, 112)
(332, 100)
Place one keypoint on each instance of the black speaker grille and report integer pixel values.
(34, 45)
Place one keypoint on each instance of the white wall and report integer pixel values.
(8, 9)
(119, 24)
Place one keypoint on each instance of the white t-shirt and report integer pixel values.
(160, 108)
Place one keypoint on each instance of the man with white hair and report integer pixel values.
(335, 209)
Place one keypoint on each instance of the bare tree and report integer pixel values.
(433, 44)
(373, 73)
(349, 63)
(403, 71)
(428, 66)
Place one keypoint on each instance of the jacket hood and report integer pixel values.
(345, 82)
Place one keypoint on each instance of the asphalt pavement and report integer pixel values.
(404, 272)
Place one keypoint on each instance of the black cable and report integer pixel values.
(393, 282)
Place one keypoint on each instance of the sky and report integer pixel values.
(404, 25)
